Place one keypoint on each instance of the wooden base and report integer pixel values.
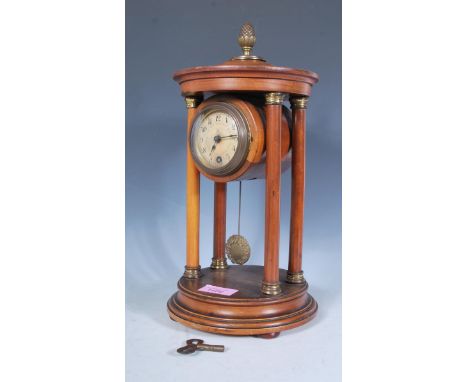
(247, 312)
(268, 336)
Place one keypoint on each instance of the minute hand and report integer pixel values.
(228, 136)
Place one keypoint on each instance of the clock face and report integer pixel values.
(216, 139)
(219, 139)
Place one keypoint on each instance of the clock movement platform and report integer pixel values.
(247, 311)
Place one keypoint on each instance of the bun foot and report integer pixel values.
(268, 336)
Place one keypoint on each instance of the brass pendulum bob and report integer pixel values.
(237, 246)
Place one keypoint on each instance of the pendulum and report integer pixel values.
(237, 246)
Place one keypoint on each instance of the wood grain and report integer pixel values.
(248, 311)
(297, 190)
(245, 76)
(272, 193)
(219, 224)
(192, 203)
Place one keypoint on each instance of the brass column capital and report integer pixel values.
(193, 101)
(274, 98)
(298, 102)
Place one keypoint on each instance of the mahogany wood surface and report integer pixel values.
(219, 226)
(297, 190)
(258, 170)
(245, 76)
(193, 203)
(268, 336)
(272, 193)
(246, 312)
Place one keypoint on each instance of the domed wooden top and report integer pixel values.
(245, 73)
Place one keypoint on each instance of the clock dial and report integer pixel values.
(216, 139)
(219, 139)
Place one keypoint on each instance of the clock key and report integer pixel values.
(187, 349)
(197, 344)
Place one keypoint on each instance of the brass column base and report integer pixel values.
(295, 277)
(219, 263)
(271, 288)
(192, 272)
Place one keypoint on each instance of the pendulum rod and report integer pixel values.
(237, 246)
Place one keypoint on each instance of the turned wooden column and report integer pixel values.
(192, 266)
(273, 113)
(219, 227)
(299, 106)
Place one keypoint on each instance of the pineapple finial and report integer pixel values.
(246, 41)
(246, 38)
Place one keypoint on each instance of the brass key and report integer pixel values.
(196, 344)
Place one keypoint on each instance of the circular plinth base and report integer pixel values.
(246, 312)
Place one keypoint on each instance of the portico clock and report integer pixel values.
(239, 130)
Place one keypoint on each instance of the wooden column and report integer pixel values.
(219, 227)
(273, 112)
(295, 274)
(192, 267)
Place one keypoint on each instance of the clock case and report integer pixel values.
(269, 299)
(252, 112)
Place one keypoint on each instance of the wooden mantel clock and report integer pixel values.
(238, 129)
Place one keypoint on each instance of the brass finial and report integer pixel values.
(246, 41)
(246, 38)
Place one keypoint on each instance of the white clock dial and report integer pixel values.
(216, 139)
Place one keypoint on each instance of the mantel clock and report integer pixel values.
(237, 130)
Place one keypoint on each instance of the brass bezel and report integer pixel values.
(243, 143)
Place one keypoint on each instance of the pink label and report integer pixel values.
(218, 290)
